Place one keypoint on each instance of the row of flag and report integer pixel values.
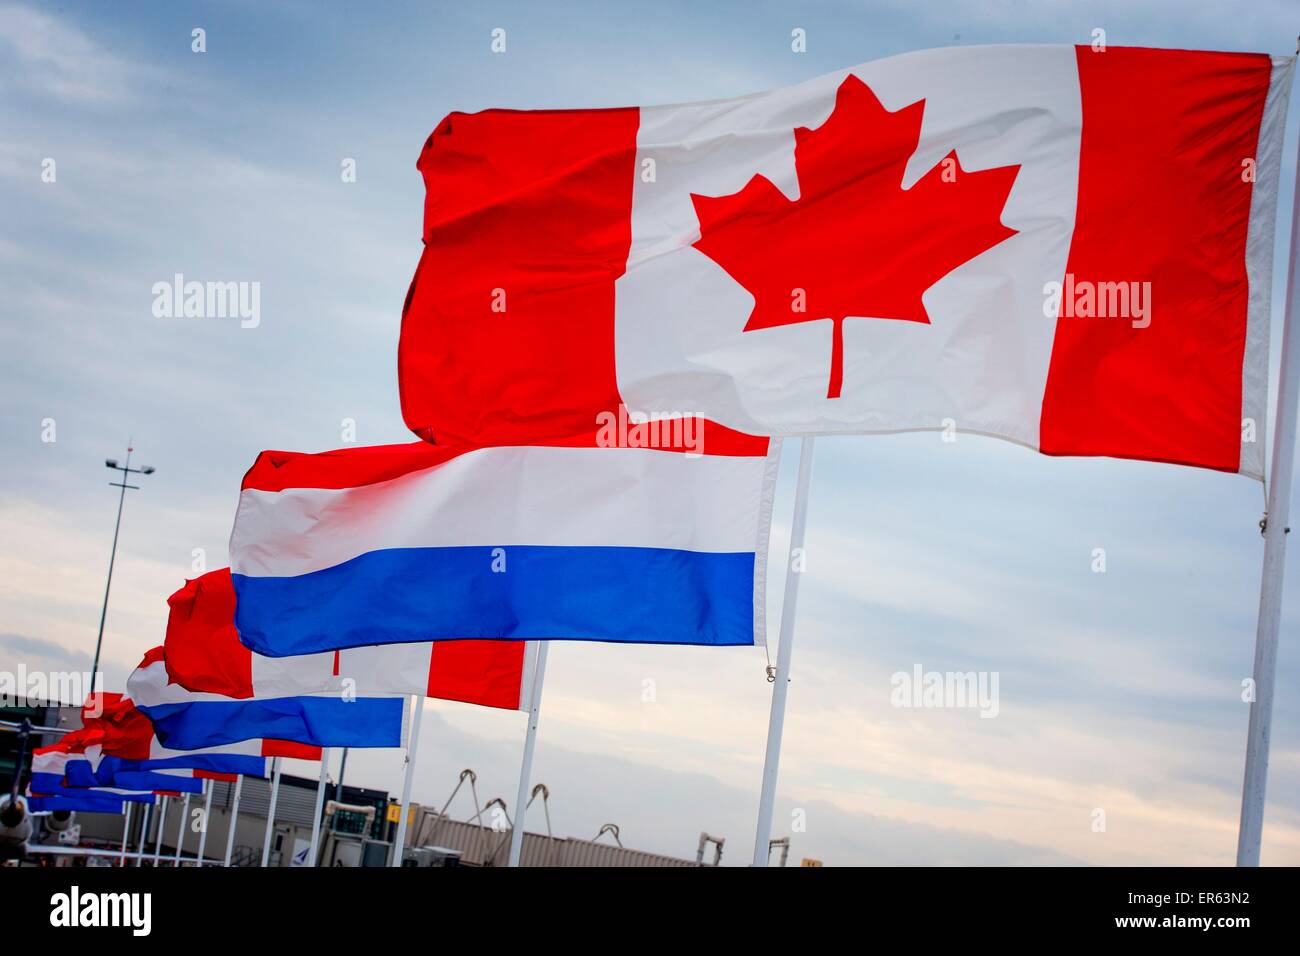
(202, 706)
(618, 315)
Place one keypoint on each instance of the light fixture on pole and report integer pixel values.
(127, 471)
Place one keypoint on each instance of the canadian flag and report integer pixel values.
(1069, 248)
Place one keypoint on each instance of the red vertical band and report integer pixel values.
(290, 748)
(478, 672)
(203, 650)
(1162, 200)
(508, 330)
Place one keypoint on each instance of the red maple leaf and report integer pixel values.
(855, 242)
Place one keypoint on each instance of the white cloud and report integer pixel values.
(62, 62)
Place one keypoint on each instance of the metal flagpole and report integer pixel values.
(234, 819)
(320, 805)
(180, 832)
(126, 832)
(776, 720)
(144, 835)
(399, 842)
(1251, 831)
(526, 766)
(162, 824)
(270, 811)
(207, 817)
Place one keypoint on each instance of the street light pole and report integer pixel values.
(127, 471)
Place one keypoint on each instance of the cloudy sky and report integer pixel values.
(1119, 691)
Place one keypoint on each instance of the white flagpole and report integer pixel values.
(234, 819)
(412, 744)
(126, 833)
(144, 834)
(180, 832)
(270, 811)
(1251, 832)
(162, 825)
(320, 805)
(526, 766)
(776, 720)
(207, 817)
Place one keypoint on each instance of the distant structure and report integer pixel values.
(360, 825)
